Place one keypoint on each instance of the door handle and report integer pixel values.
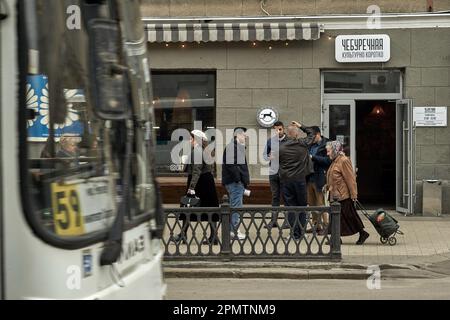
(404, 168)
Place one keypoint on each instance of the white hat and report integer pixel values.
(200, 134)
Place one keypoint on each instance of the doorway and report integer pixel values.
(365, 110)
(375, 154)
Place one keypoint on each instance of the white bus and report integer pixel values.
(80, 215)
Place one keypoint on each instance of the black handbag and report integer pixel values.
(189, 201)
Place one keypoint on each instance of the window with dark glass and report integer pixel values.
(362, 81)
(180, 98)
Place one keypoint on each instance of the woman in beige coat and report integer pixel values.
(341, 184)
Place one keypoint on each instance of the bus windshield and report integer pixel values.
(82, 166)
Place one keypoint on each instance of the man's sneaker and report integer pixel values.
(240, 235)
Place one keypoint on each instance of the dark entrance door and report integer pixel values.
(376, 152)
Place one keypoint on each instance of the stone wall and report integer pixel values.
(173, 8)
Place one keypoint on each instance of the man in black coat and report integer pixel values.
(235, 176)
(294, 160)
(316, 181)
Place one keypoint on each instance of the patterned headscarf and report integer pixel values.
(336, 148)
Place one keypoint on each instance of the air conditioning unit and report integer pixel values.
(378, 79)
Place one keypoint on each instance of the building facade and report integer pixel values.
(232, 59)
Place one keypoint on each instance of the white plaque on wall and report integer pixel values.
(430, 116)
(363, 48)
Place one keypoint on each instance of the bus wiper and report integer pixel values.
(113, 245)
(109, 83)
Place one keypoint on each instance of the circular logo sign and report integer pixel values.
(267, 116)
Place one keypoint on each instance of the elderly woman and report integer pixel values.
(201, 183)
(341, 184)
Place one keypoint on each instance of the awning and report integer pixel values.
(211, 32)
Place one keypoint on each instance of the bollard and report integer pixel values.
(335, 230)
(225, 215)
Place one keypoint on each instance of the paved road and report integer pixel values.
(248, 289)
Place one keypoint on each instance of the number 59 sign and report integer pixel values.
(67, 214)
(81, 207)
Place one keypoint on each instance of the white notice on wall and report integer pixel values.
(430, 116)
(340, 138)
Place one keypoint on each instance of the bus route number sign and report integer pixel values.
(81, 207)
(67, 214)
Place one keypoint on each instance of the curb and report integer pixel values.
(296, 274)
(261, 274)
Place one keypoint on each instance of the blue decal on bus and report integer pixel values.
(37, 99)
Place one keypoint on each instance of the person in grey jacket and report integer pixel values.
(294, 160)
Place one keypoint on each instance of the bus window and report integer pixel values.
(78, 168)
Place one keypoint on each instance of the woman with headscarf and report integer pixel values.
(341, 184)
(201, 183)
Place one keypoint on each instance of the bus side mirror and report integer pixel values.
(109, 90)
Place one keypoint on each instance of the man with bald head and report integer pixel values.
(294, 158)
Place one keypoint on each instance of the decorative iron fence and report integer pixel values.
(208, 233)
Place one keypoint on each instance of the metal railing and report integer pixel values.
(207, 233)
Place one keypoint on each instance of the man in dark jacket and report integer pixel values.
(316, 181)
(235, 176)
(294, 159)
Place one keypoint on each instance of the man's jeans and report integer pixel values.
(294, 194)
(236, 193)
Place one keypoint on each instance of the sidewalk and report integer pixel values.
(425, 244)
(425, 238)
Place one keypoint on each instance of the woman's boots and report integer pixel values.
(363, 235)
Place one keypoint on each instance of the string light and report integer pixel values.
(287, 43)
(183, 45)
(270, 47)
(167, 44)
(254, 44)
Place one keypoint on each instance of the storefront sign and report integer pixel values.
(267, 116)
(363, 48)
(430, 116)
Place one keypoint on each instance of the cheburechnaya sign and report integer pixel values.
(363, 48)
(430, 116)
